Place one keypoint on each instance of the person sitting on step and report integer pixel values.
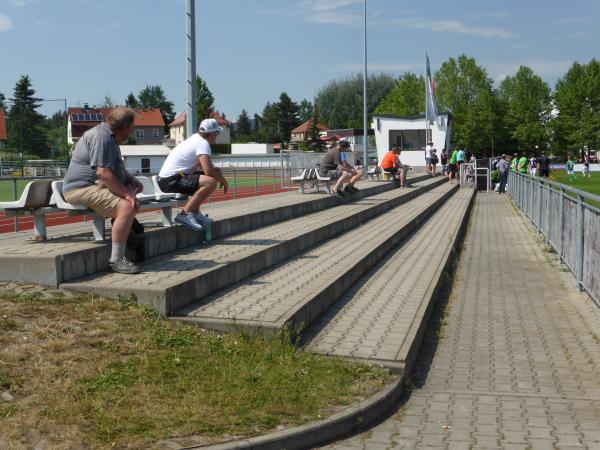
(189, 170)
(391, 164)
(335, 166)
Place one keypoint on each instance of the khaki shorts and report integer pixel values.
(98, 198)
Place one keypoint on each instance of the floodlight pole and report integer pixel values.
(365, 124)
(191, 119)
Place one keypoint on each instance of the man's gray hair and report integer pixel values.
(120, 118)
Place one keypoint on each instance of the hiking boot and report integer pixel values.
(123, 265)
(189, 220)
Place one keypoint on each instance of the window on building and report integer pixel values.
(156, 132)
(139, 133)
(145, 165)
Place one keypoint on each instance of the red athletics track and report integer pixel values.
(7, 224)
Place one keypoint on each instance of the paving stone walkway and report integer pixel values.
(518, 361)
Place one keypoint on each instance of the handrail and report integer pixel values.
(566, 187)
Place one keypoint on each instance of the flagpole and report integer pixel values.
(426, 106)
(365, 124)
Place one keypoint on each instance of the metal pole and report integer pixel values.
(539, 217)
(561, 224)
(548, 205)
(16, 220)
(192, 120)
(234, 185)
(579, 243)
(255, 181)
(365, 125)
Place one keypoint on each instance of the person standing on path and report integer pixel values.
(189, 170)
(97, 178)
(503, 168)
(452, 166)
(514, 162)
(523, 164)
(444, 162)
(428, 152)
(543, 166)
(533, 166)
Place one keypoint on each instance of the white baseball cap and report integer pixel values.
(209, 126)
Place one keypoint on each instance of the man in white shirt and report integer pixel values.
(428, 158)
(189, 170)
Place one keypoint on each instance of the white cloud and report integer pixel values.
(455, 26)
(19, 3)
(492, 14)
(5, 23)
(545, 68)
(338, 12)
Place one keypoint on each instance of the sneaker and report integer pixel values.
(123, 265)
(350, 189)
(189, 220)
(340, 192)
(200, 218)
(337, 194)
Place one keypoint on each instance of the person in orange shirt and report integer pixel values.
(391, 164)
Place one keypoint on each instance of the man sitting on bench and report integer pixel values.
(188, 170)
(391, 164)
(334, 165)
(97, 179)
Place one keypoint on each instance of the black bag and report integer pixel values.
(136, 241)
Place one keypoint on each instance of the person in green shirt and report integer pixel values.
(452, 165)
(514, 162)
(523, 164)
(571, 168)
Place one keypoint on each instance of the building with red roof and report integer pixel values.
(177, 132)
(302, 133)
(148, 129)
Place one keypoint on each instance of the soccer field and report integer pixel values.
(588, 184)
(6, 189)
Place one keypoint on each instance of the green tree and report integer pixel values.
(269, 130)
(315, 143)
(465, 89)
(576, 128)
(243, 126)
(154, 97)
(2, 101)
(107, 102)
(306, 110)
(288, 116)
(205, 100)
(131, 101)
(340, 102)
(526, 106)
(25, 125)
(56, 134)
(407, 98)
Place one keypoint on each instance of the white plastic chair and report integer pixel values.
(149, 193)
(59, 200)
(35, 195)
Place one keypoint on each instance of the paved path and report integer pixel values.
(518, 364)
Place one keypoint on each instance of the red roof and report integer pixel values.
(3, 135)
(307, 125)
(180, 120)
(143, 117)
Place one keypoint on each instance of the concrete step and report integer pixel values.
(299, 290)
(382, 317)
(172, 281)
(69, 253)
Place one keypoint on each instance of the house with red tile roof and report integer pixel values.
(177, 133)
(3, 134)
(148, 129)
(302, 133)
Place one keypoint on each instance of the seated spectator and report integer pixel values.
(189, 170)
(97, 178)
(391, 164)
(335, 166)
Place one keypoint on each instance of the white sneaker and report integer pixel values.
(189, 220)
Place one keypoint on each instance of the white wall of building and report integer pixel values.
(252, 149)
(440, 133)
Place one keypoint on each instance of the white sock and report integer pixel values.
(118, 251)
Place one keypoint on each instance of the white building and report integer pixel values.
(144, 159)
(408, 133)
(252, 149)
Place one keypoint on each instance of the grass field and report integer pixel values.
(6, 189)
(591, 185)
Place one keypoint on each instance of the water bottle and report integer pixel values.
(207, 225)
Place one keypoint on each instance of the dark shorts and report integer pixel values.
(391, 170)
(428, 161)
(544, 173)
(453, 168)
(180, 184)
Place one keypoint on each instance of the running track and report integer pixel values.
(7, 225)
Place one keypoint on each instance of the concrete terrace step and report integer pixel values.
(380, 318)
(172, 281)
(70, 254)
(301, 289)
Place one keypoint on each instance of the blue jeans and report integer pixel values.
(503, 180)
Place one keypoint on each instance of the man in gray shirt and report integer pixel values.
(97, 178)
(503, 169)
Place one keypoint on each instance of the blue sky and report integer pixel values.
(249, 51)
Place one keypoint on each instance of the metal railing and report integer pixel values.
(569, 223)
